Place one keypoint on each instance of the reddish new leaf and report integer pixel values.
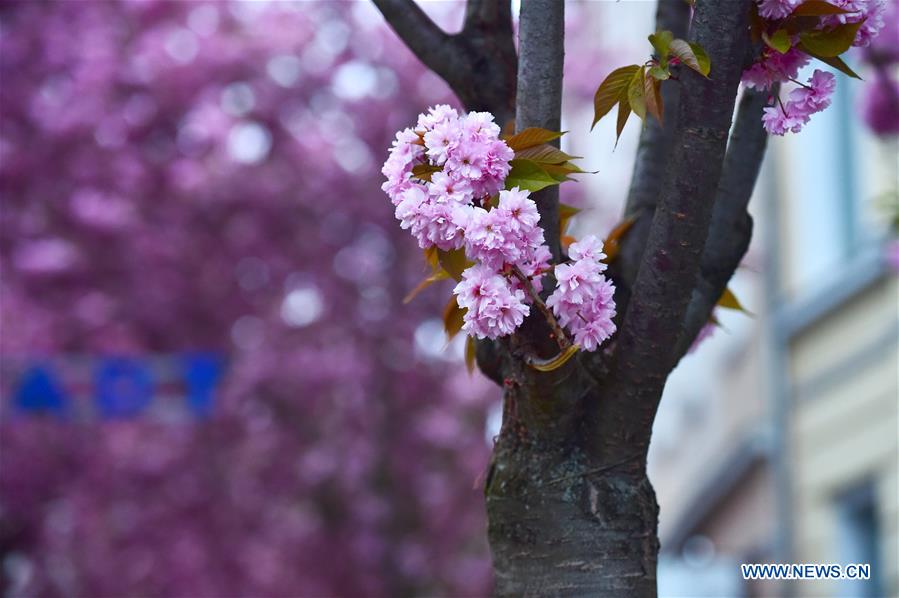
(612, 243)
(545, 154)
(453, 318)
(554, 363)
(437, 276)
(611, 91)
(530, 137)
(624, 110)
(470, 348)
(652, 95)
(817, 8)
(692, 55)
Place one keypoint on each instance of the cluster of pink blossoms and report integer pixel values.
(804, 101)
(500, 240)
(775, 67)
(464, 206)
(471, 163)
(494, 307)
(583, 300)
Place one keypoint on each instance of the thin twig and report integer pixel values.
(559, 334)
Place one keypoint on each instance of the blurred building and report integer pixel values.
(777, 438)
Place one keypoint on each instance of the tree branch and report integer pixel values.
(655, 139)
(649, 164)
(670, 264)
(486, 13)
(560, 337)
(731, 227)
(479, 64)
(431, 44)
(541, 52)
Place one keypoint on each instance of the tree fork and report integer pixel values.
(570, 509)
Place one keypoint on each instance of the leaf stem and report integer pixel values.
(561, 338)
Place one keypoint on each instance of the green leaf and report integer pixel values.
(527, 174)
(660, 41)
(453, 318)
(611, 91)
(425, 171)
(692, 55)
(659, 73)
(702, 57)
(530, 137)
(453, 262)
(560, 172)
(780, 41)
(564, 168)
(817, 8)
(545, 154)
(834, 61)
(635, 91)
(652, 95)
(830, 43)
(437, 276)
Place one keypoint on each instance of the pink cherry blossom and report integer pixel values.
(774, 67)
(776, 9)
(519, 208)
(534, 267)
(778, 121)
(430, 221)
(447, 188)
(441, 140)
(584, 299)
(503, 236)
(507, 234)
(880, 106)
(588, 248)
(494, 307)
(870, 11)
(816, 96)
(436, 115)
(804, 101)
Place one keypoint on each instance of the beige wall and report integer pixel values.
(845, 427)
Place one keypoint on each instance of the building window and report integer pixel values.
(858, 539)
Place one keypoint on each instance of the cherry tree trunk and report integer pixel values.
(559, 526)
(570, 509)
(561, 523)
